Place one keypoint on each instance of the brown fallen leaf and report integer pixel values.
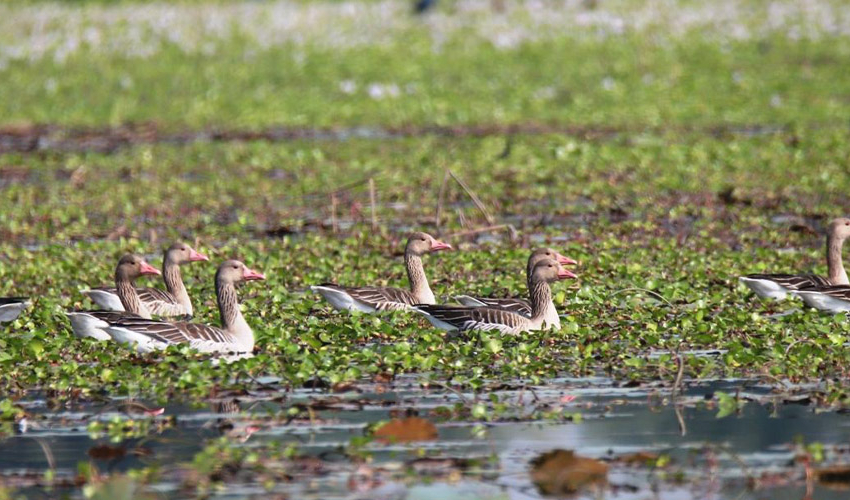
(562, 471)
(834, 477)
(638, 458)
(106, 452)
(344, 387)
(406, 429)
(436, 466)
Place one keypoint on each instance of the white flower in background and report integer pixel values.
(33, 32)
(380, 91)
(348, 87)
(545, 93)
(51, 86)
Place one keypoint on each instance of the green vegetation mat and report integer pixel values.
(701, 148)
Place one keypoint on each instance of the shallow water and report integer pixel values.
(710, 457)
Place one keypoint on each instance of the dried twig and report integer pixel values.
(677, 384)
(644, 290)
(511, 229)
(683, 429)
(334, 224)
(441, 197)
(372, 203)
(799, 341)
(460, 218)
(475, 199)
(48, 454)
(450, 389)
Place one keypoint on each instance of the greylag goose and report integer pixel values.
(520, 305)
(11, 307)
(833, 299)
(234, 336)
(778, 286)
(464, 318)
(92, 323)
(174, 301)
(373, 298)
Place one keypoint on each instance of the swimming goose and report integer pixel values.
(92, 323)
(234, 336)
(173, 302)
(11, 307)
(464, 318)
(778, 286)
(520, 305)
(372, 298)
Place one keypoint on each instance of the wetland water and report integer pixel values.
(749, 454)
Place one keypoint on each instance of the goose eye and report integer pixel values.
(847, 223)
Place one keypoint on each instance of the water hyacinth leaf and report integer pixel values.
(727, 404)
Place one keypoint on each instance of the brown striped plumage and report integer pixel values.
(519, 305)
(777, 286)
(487, 318)
(234, 336)
(174, 301)
(793, 281)
(513, 304)
(91, 323)
(372, 299)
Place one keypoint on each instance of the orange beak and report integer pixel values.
(565, 261)
(250, 275)
(195, 256)
(564, 274)
(437, 245)
(148, 269)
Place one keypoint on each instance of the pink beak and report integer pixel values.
(146, 268)
(250, 274)
(566, 261)
(564, 274)
(195, 256)
(437, 245)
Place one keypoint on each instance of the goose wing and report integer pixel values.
(111, 316)
(475, 318)
(12, 300)
(515, 305)
(158, 302)
(146, 294)
(379, 298)
(836, 291)
(175, 333)
(793, 281)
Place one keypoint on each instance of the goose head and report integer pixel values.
(234, 271)
(549, 270)
(131, 266)
(421, 243)
(181, 253)
(548, 253)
